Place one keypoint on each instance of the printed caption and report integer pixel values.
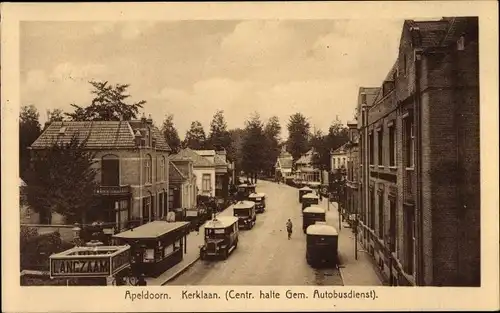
(242, 294)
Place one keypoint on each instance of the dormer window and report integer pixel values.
(62, 130)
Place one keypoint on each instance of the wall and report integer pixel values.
(199, 171)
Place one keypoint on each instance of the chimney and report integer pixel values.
(143, 118)
(149, 120)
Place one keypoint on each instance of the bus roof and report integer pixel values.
(244, 204)
(257, 195)
(153, 229)
(314, 209)
(305, 188)
(322, 229)
(310, 195)
(221, 222)
(242, 185)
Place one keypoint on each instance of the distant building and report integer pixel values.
(284, 166)
(419, 149)
(218, 158)
(304, 169)
(339, 159)
(203, 168)
(132, 159)
(182, 189)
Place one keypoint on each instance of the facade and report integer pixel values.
(182, 189)
(338, 158)
(203, 168)
(284, 166)
(304, 169)
(218, 158)
(131, 157)
(420, 200)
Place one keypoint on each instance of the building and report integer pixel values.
(218, 158)
(131, 157)
(182, 188)
(284, 165)
(203, 168)
(304, 169)
(339, 159)
(419, 146)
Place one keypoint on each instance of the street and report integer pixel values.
(264, 255)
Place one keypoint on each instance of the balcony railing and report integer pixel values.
(113, 190)
(409, 185)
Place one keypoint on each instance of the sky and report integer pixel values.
(191, 69)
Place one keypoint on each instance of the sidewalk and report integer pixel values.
(360, 272)
(192, 255)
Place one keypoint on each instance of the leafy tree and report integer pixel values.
(298, 135)
(272, 132)
(170, 133)
(321, 156)
(234, 151)
(253, 148)
(108, 104)
(55, 115)
(62, 180)
(219, 137)
(29, 130)
(195, 137)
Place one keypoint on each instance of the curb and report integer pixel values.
(341, 275)
(179, 272)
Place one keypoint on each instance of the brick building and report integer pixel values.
(182, 185)
(132, 158)
(419, 149)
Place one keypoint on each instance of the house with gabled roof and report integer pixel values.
(203, 168)
(284, 165)
(218, 157)
(182, 188)
(305, 171)
(131, 158)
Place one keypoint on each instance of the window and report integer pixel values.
(370, 148)
(392, 146)
(381, 215)
(409, 239)
(206, 182)
(146, 209)
(162, 168)
(171, 198)
(160, 205)
(333, 163)
(110, 171)
(409, 142)
(148, 170)
(392, 224)
(380, 137)
(218, 182)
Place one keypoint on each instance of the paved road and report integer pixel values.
(264, 255)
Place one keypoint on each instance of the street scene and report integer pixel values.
(226, 152)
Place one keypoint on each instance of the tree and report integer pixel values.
(298, 135)
(29, 130)
(321, 156)
(56, 115)
(195, 137)
(219, 137)
(272, 132)
(170, 133)
(107, 105)
(234, 151)
(253, 148)
(62, 180)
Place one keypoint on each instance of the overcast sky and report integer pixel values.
(193, 68)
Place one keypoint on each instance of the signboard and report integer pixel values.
(102, 261)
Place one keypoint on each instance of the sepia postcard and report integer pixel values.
(249, 156)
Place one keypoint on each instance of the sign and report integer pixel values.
(82, 267)
(101, 261)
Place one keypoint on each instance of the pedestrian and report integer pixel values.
(289, 227)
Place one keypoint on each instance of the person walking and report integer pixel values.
(289, 227)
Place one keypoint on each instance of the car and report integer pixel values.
(221, 237)
(260, 201)
(322, 245)
(245, 212)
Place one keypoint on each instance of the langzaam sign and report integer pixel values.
(101, 261)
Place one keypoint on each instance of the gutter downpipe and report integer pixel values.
(419, 279)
